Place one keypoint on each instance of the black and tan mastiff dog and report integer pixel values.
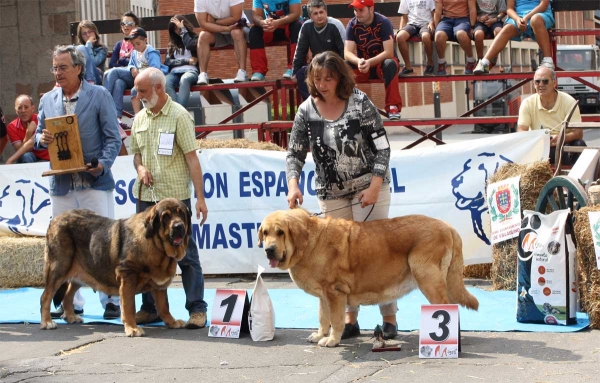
(124, 257)
(364, 263)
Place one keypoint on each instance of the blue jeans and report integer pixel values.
(184, 81)
(27, 158)
(191, 274)
(301, 80)
(91, 72)
(117, 80)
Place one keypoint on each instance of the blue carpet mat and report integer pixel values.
(296, 309)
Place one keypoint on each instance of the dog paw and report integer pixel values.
(315, 337)
(51, 325)
(177, 323)
(73, 319)
(329, 342)
(133, 332)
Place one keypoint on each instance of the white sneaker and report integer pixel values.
(202, 79)
(241, 76)
(547, 63)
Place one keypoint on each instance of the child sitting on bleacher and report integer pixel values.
(417, 19)
(144, 56)
(93, 50)
(182, 60)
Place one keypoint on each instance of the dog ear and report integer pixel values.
(298, 232)
(260, 236)
(152, 223)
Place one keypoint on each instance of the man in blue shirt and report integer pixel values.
(100, 139)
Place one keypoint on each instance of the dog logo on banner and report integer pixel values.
(30, 196)
(469, 188)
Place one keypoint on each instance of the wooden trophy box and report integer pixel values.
(66, 155)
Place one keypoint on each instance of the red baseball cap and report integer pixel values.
(360, 4)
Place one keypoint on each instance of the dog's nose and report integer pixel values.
(270, 252)
(178, 225)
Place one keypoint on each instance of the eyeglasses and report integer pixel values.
(86, 33)
(59, 69)
(545, 81)
(127, 24)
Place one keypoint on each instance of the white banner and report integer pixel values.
(242, 186)
(594, 217)
(505, 209)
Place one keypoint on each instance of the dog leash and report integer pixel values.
(153, 196)
(343, 207)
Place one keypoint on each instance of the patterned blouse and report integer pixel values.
(347, 152)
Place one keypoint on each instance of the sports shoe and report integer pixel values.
(481, 68)
(469, 67)
(428, 70)
(241, 76)
(60, 311)
(394, 113)
(406, 72)
(288, 74)
(197, 320)
(351, 330)
(112, 311)
(202, 79)
(143, 317)
(547, 63)
(257, 76)
(441, 69)
(390, 331)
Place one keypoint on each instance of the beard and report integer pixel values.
(149, 104)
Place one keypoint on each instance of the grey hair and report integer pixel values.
(77, 57)
(156, 76)
(552, 72)
(315, 4)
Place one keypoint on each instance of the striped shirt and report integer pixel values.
(171, 173)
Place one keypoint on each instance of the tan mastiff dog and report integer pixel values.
(344, 262)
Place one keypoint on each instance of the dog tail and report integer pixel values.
(457, 293)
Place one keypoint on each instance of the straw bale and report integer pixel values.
(504, 254)
(237, 143)
(21, 261)
(589, 275)
(482, 271)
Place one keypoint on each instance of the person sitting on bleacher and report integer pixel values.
(144, 56)
(274, 20)
(319, 34)
(526, 18)
(123, 48)
(417, 19)
(94, 51)
(21, 131)
(455, 20)
(547, 109)
(369, 48)
(489, 23)
(182, 60)
(223, 23)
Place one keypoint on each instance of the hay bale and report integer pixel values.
(482, 271)
(504, 254)
(21, 261)
(589, 275)
(238, 143)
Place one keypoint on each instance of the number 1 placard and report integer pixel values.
(439, 336)
(227, 313)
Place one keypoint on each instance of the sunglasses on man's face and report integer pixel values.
(127, 23)
(544, 80)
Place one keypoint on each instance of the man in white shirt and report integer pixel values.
(223, 23)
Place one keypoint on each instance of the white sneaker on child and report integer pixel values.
(241, 76)
(547, 63)
(202, 79)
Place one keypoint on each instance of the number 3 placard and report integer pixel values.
(228, 313)
(439, 336)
